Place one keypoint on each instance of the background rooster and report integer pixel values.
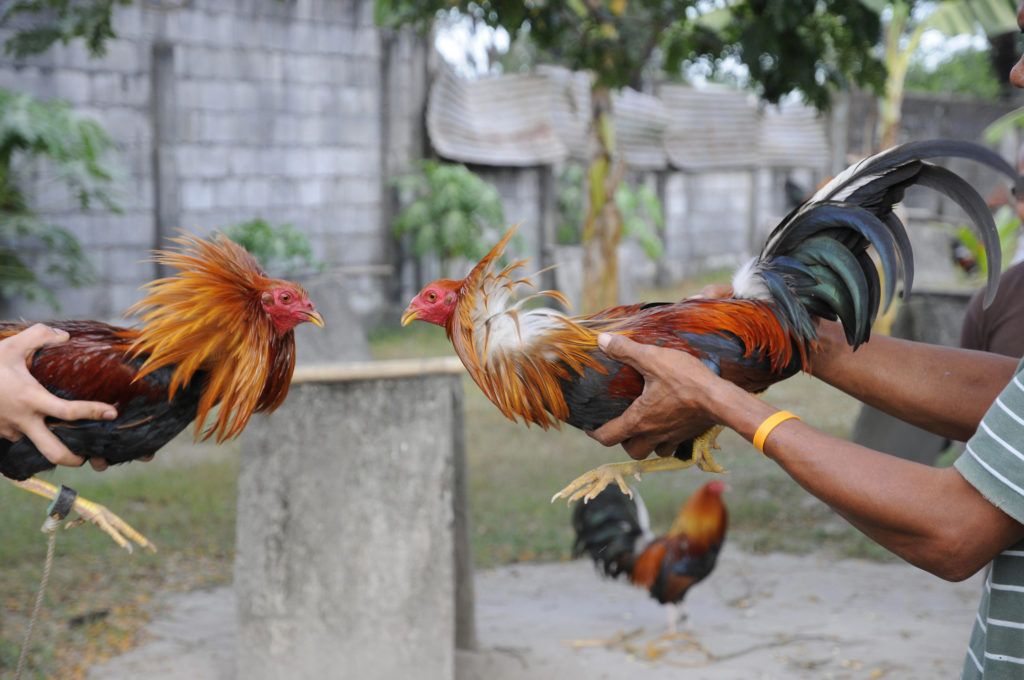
(218, 333)
(614, 530)
(544, 366)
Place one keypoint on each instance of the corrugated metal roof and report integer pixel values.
(793, 135)
(543, 118)
(640, 125)
(505, 121)
(570, 109)
(710, 128)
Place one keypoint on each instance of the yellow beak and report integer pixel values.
(315, 318)
(409, 316)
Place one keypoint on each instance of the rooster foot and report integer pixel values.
(107, 521)
(674, 641)
(589, 484)
(702, 448)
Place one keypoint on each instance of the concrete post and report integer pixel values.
(347, 540)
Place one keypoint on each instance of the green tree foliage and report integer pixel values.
(282, 250)
(641, 210)
(966, 72)
(812, 46)
(448, 211)
(49, 137)
(903, 34)
(41, 23)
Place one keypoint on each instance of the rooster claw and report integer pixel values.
(702, 448)
(108, 522)
(590, 484)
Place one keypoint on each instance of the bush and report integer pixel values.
(75, 150)
(283, 251)
(448, 211)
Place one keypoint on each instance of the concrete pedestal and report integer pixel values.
(352, 551)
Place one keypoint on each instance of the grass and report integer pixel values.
(99, 597)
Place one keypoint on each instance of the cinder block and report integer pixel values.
(228, 192)
(197, 194)
(310, 192)
(72, 86)
(126, 56)
(256, 192)
(127, 22)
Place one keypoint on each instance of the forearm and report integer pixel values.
(893, 501)
(944, 390)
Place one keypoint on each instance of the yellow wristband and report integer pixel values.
(769, 424)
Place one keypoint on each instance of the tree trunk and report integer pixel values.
(603, 225)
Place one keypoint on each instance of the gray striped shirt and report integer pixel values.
(994, 464)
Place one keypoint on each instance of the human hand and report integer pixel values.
(24, 403)
(673, 405)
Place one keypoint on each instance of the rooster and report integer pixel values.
(543, 366)
(218, 333)
(615, 531)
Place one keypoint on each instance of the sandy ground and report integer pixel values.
(758, 617)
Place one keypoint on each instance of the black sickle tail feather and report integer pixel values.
(816, 261)
(608, 528)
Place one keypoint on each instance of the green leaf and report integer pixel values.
(281, 250)
(642, 217)
(77, 152)
(447, 211)
(50, 21)
(1003, 125)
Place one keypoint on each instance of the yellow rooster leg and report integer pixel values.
(589, 484)
(114, 526)
(702, 448)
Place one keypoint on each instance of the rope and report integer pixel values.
(62, 504)
(50, 528)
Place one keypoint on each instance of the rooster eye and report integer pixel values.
(286, 298)
(432, 296)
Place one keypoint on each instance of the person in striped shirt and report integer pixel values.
(949, 521)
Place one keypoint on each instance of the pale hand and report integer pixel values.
(24, 403)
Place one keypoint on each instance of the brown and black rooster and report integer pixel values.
(218, 333)
(544, 366)
(615, 531)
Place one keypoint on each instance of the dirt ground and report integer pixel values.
(758, 617)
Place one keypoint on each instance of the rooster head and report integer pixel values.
(716, 487)
(288, 306)
(434, 304)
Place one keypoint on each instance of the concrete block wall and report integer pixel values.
(707, 220)
(226, 110)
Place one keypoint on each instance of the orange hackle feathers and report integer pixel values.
(519, 379)
(207, 318)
